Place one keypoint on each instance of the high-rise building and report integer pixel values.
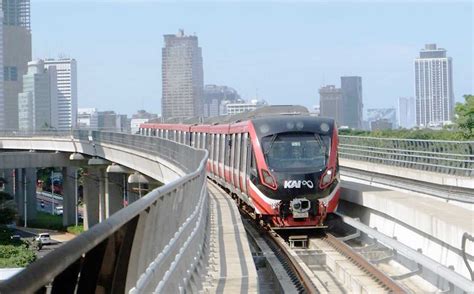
(351, 88)
(182, 75)
(330, 103)
(37, 103)
(67, 91)
(215, 97)
(406, 112)
(433, 87)
(16, 54)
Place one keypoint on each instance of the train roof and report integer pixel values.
(265, 111)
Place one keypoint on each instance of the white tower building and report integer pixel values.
(37, 103)
(66, 69)
(433, 87)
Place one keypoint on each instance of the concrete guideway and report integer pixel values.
(425, 223)
(231, 266)
(411, 174)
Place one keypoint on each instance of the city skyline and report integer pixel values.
(256, 59)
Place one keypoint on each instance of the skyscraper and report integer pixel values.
(433, 87)
(66, 69)
(330, 101)
(351, 88)
(406, 112)
(182, 75)
(16, 54)
(37, 104)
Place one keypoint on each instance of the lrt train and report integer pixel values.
(282, 163)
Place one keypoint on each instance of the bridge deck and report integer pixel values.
(408, 216)
(232, 269)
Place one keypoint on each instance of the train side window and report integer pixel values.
(223, 149)
(217, 144)
(238, 138)
(232, 149)
(211, 149)
(253, 162)
(243, 156)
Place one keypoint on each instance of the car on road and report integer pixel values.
(44, 238)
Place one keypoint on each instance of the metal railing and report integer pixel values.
(448, 157)
(156, 244)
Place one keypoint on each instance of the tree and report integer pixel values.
(7, 208)
(465, 116)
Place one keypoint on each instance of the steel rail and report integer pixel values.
(362, 263)
(295, 266)
(451, 276)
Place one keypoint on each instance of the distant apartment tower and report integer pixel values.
(16, 54)
(406, 112)
(433, 87)
(37, 103)
(67, 91)
(351, 88)
(215, 97)
(330, 103)
(182, 75)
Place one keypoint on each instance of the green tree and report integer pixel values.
(465, 116)
(7, 208)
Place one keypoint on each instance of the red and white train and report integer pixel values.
(284, 166)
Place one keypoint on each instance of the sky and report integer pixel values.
(282, 52)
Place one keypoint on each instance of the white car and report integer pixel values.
(44, 238)
(59, 210)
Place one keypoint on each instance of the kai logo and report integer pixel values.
(290, 184)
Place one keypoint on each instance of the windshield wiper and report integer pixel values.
(271, 144)
(320, 141)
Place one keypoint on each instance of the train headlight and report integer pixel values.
(326, 179)
(268, 179)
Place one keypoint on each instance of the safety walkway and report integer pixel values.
(421, 222)
(231, 266)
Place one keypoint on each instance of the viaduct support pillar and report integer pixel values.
(102, 189)
(69, 195)
(25, 193)
(114, 193)
(91, 197)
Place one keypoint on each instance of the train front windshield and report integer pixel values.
(296, 152)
